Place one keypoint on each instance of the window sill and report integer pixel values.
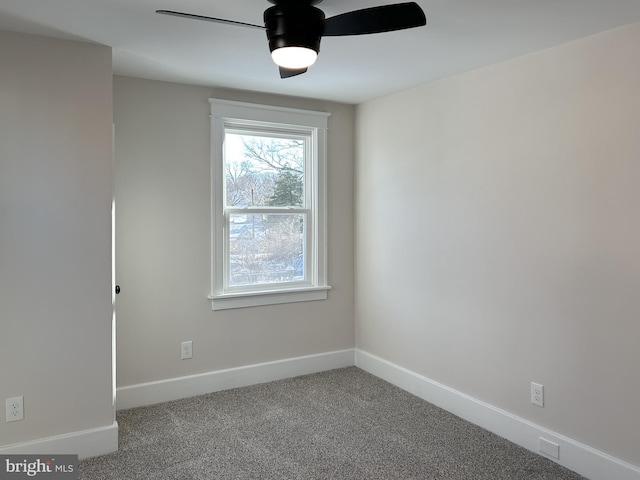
(272, 297)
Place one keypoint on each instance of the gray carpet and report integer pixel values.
(341, 424)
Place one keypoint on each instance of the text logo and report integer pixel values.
(46, 467)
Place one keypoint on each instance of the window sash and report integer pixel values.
(307, 251)
(309, 162)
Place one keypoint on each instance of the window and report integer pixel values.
(268, 205)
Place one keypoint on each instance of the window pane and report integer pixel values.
(264, 171)
(266, 249)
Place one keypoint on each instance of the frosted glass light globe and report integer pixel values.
(294, 57)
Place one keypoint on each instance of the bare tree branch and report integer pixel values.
(284, 154)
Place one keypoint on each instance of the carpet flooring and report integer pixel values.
(340, 424)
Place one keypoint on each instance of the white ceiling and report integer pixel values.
(460, 35)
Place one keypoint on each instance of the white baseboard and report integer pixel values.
(85, 443)
(192, 385)
(580, 458)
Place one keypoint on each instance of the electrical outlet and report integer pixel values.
(537, 394)
(186, 350)
(15, 409)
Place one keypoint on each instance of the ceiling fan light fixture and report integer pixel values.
(295, 28)
(294, 57)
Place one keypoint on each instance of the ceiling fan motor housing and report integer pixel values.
(294, 24)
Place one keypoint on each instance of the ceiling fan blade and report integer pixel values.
(208, 19)
(384, 18)
(291, 72)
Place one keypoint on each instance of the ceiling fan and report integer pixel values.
(295, 27)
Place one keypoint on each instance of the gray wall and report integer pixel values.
(498, 232)
(55, 235)
(162, 185)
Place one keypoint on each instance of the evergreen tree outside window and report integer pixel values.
(268, 205)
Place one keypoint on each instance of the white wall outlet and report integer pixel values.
(537, 394)
(15, 409)
(549, 448)
(186, 350)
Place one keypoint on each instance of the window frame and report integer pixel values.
(251, 117)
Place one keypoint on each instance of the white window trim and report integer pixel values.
(225, 112)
